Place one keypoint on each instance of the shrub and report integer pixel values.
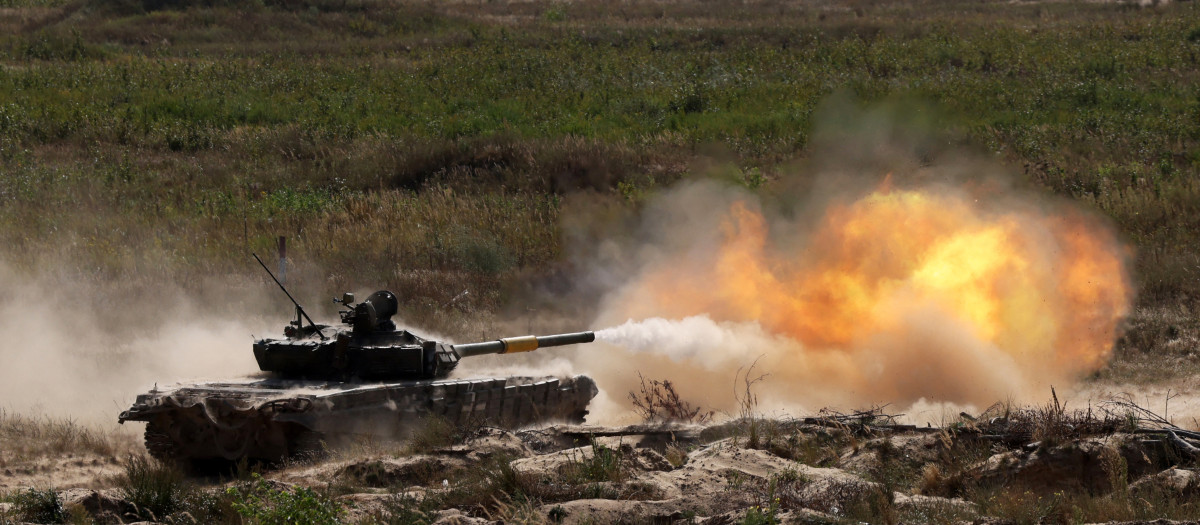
(495, 481)
(404, 509)
(40, 506)
(676, 455)
(759, 516)
(554, 13)
(604, 464)
(157, 489)
(261, 503)
(56, 46)
(433, 432)
(658, 401)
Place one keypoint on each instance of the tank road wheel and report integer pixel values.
(306, 444)
(577, 417)
(232, 444)
(160, 444)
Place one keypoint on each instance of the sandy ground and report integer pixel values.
(71, 471)
(865, 472)
(1178, 400)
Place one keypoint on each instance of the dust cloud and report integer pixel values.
(83, 347)
(893, 273)
(84, 350)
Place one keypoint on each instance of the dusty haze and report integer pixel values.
(84, 350)
(85, 347)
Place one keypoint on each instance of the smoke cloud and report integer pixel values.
(882, 279)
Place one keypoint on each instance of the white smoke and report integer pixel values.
(696, 339)
(709, 361)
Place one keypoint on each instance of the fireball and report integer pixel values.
(942, 281)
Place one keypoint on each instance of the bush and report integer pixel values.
(603, 465)
(404, 509)
(157, 489)
(760, 516)
(658, 401)
(493, 482)
(432, 433)
(39, 506)
(56, 46)
(261, 503)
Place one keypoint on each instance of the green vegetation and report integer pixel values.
(603, 464)
(262, 504)
(39, 506)
(433, 147)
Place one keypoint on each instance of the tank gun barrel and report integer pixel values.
(511, 345)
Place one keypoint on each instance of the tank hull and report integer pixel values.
(273, 419)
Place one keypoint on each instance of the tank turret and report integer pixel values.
(369, 346)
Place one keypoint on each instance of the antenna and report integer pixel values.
(299, 309)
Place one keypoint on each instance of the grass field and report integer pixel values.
(436, 147)
(432, 147)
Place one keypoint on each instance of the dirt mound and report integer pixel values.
(1174, 482)
(1088, 465)
(106, 506)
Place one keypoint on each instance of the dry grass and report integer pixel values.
(950, 475)
(1023, 507)
(345, 233)
(25, 437)
(1161, 344)
(434, 432)
(463, 125)
(487, 487)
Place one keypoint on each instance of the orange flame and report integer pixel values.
(1043, 290)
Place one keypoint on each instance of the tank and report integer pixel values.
(364, 377)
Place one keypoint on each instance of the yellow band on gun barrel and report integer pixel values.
(519, 344)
